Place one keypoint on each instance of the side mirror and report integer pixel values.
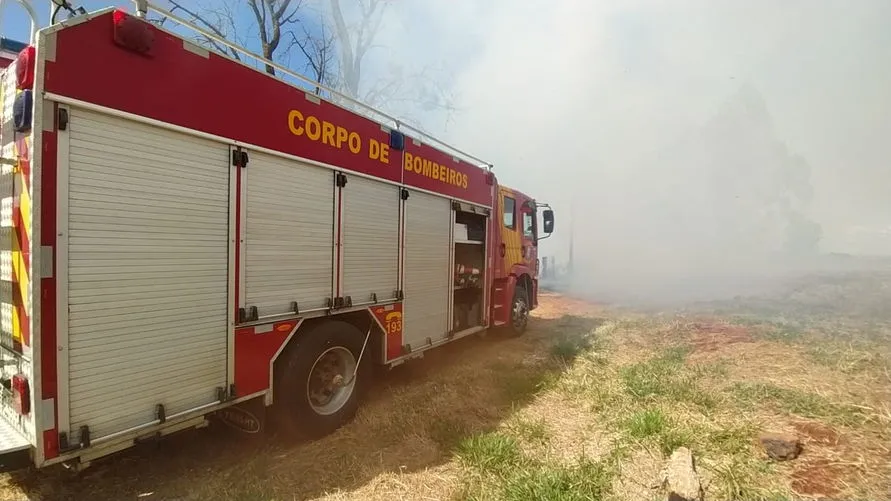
(548, 219)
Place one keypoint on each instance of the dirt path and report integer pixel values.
(584, 407)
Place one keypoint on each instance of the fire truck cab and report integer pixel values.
(187, 237)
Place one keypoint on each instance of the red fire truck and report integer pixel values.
(186, 236)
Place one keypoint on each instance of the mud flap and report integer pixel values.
(246, 417)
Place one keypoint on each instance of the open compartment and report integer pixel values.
(468, 288)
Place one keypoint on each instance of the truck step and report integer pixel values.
(14, 448)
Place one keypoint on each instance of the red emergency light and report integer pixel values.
(24, 68)
(133, 33)
(21, 394)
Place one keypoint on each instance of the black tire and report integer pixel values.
(299, 414)
(519, 312)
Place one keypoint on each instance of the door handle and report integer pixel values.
(503, 250)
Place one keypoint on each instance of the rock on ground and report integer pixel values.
(680, 477)
(781, 447)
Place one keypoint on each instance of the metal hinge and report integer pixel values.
(248, 314)
(64, 446)
(239, 158)
(226, 394)
(63, 119)
(340, 179)
(340, 302)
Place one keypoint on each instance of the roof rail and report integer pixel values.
(143, 7)
(32, 14)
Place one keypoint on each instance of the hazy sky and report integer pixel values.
(567, 97)
(560, 92)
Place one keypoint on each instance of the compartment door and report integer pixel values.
(147, 271)
(370, 240)
(427, 281)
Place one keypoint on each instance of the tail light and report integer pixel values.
(133, 33)
(24, 68)
(21, 394)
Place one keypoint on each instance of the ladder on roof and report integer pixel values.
(143, 7)
(28, 6)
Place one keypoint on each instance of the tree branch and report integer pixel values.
(176, 5)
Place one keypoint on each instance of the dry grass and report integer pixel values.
(586, 406)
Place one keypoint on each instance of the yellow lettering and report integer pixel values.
(355, 142)
(328, 130)
(295, 117)
(342, 135)
(313, 128)
(385, 153)
(374, 149)
(424, 167)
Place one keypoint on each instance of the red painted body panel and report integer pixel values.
(389, 318)
(255, 348)
(48, 333)
(427, 168)
(219, 96)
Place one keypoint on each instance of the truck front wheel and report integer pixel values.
(519, 312)
(316, 391)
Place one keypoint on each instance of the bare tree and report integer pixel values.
(320, 53)
(332, 51)
(220, 21)
(399, 87)
(275, 19)
(355, 40)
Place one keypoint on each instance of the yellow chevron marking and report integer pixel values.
(16, 325)
(25, 208)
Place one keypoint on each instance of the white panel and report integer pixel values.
(370, 239)
(147, 271)
(427, 283)
(288, 235)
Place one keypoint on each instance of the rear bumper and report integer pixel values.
(15, 450)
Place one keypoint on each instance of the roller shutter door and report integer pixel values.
(370, 240)
(289, 235)
(148, 264)
(426, 280)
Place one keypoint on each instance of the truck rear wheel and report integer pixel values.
(519, 312)
(315, 391)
